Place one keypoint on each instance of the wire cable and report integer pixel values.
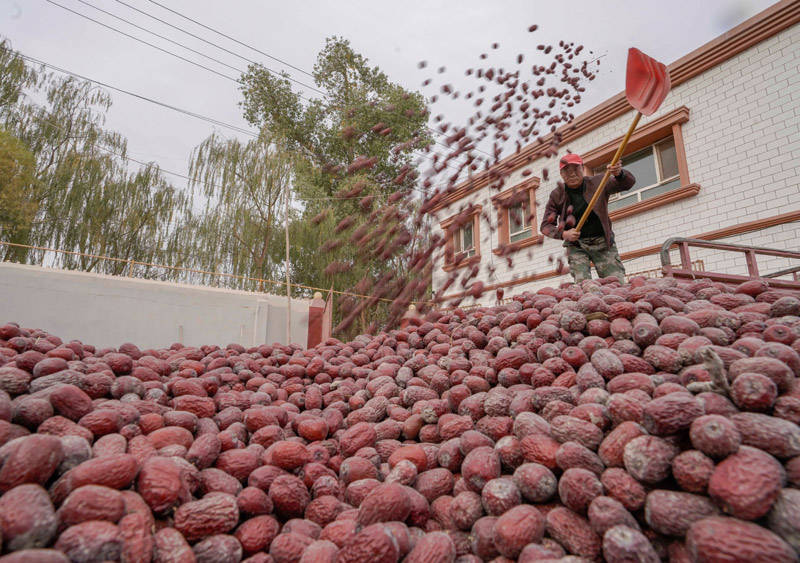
(259, 51)
(138, 96)
(219, 62)
(427, 127)
(448, 165)
(220, 47)
(187, 47)
(143, 41)
(178, 174)
(153, 101)
(175, 54)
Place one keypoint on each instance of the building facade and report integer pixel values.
(719, 160)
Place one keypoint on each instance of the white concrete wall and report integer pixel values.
(109, 310)
(742, 145)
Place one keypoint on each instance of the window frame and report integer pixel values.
(452, 259)
(526, 224)
(657, 163)
(668, 125)
(458, 240)
(502, 202)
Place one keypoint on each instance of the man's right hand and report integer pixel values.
(571, 235)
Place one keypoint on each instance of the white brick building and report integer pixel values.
(724, 163)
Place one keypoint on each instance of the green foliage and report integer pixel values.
(243, 185)
(85, 197)
(363, 116)
(331, 131)
(17, 186)
(15, 76)
(67, 184)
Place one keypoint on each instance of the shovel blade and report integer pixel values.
(646, 82)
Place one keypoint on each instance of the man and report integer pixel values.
(595, 241)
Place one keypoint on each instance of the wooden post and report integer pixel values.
(288, 283)
(752, 264)
(316, 314)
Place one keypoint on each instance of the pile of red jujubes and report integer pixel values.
(596, 421)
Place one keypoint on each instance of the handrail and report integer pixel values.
(685, 269)
(792, 270)
(670, 242)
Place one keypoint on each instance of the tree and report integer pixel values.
(17, 185)
(243, 185)
(354, 169)
(363, 114)
(86, 195)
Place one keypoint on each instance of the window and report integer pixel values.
(462, 238)
(516, 217)
(656, 156)
(463, 242)
(655, 169)
(519, 224)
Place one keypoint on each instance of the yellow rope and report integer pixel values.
(194, 271)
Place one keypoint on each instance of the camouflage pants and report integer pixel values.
(583, 252)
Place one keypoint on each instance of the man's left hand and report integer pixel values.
(616, 169)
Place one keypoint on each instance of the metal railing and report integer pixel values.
(658, 272)
(750, 252)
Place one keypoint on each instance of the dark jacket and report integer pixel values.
(556, 209)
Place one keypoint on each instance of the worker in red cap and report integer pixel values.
(594, 243)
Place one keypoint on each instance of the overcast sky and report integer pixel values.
(393, 35)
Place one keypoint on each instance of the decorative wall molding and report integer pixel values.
(654, 202)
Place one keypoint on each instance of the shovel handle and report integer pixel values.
(606, 176)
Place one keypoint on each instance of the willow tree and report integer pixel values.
(87, 196)
(355, 149)
(243, 185)
(17, 185)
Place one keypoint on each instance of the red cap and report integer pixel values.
(569, 158)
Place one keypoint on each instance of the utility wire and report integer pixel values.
(151, 100)
(143, 41)
(220, 47)
(219, 62)
(197, 64)
(178, 174)
(227, 37)
(139, 96)
(427, 127)
(171, 53)
(185, 46)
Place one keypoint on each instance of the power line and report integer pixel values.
(139, 96)
(219, 62)
(143, 41)
(427, 127)
(185, 46)
(230, 38)
(220, 47)
(198, 64)
(178, 174)
(151, 100)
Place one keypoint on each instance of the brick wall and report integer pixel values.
(742, 145)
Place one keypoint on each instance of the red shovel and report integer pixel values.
(646, 86)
